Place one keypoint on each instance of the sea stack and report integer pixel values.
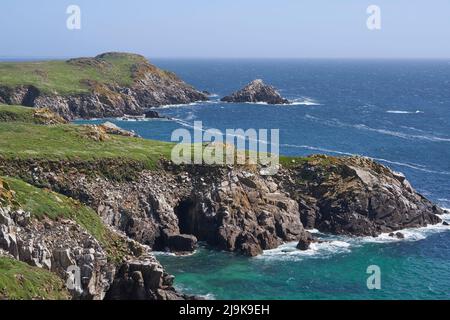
(256, 91)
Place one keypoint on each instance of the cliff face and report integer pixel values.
(109, 85)
(237, 209)
(94, 261)
(95, 198)
(356, 196)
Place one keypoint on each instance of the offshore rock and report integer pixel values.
(256, 91)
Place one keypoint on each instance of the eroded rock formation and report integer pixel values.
(237, 209)
(256, 91)
(150, 87)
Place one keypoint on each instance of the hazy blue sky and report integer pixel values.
(227, 28)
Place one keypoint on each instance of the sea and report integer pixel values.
(394, 111)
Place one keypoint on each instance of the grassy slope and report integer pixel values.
(19, 281)
(21, 140)
(65, 78)
(44, 203)
(16, 113)
(29, 141)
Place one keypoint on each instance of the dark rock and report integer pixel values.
(256, 91)
(143, 279)
(233, 209)
(151, 114)
(397, 235)
(305, 241)
(182, 243)
(357, 196)
(445, 223)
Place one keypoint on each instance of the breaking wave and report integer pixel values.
(398, 134)
(334, 245)
(404, 112)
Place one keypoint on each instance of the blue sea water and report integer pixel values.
(397, 112)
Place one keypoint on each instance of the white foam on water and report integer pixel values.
(185, 290)
(192, 104)
(289, 251)
(398, 134)
(404, 112)
(344, 244)
(411, 234)
(295, 102)
(305, 102)
(172, 254)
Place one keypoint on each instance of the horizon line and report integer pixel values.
(64, 57)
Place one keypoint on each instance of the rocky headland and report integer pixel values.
(108, 85)
(101, 199)
(256, 92)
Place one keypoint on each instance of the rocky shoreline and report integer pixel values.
(106, 214)
(171, 208)
(238, 209)
(149, 87)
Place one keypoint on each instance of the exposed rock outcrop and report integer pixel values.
(64, 248)
(237, 209)
(111, 128)
(149, 87)
(46, 117)
(90, 270)
(356, 196)
(256, 91)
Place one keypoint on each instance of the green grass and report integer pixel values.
(71, 142)
(16, 114)
(64, 78)
(19, 281)
(45, 203)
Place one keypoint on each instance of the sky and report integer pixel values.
(227, 28)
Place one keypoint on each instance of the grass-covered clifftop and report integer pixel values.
(72, 76)
(21, 137)
(108, 85)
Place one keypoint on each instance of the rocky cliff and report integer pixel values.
(93, 262)
(109, 85)
(100, 199)
(238, 209)
(256, 91)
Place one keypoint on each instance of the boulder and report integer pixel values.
(305, 241)
(256, 91)
(111, 128)
(182, 243)
(151, 114)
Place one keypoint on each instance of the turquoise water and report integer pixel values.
(410, 269)
(395, 112)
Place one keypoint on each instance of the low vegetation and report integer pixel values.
(45, 203)
(69, 77)
(19, 281)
